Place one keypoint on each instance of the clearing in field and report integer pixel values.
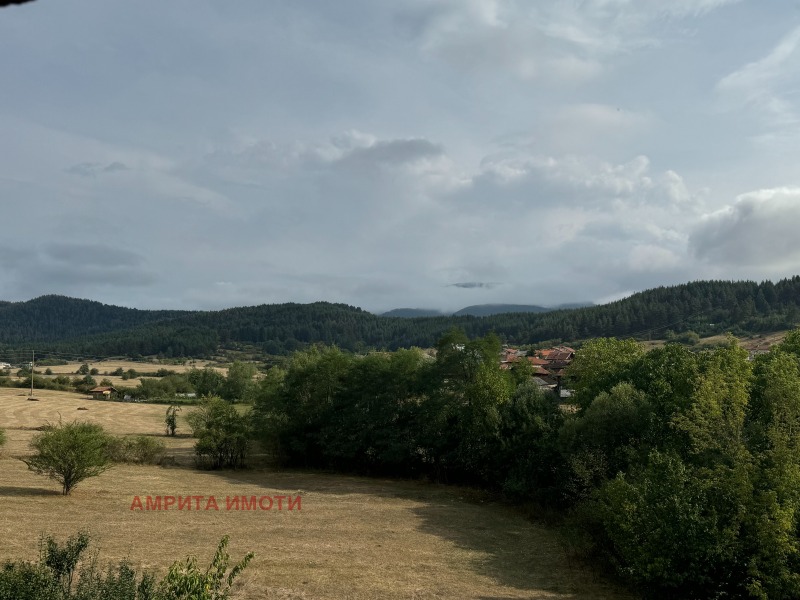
(354, 538)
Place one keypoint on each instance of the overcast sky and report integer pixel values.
(412, 153)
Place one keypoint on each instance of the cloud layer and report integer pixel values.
(419, 153)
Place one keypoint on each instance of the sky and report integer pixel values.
(201, 154)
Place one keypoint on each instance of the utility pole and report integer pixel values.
(33, 361)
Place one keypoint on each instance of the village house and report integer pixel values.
(549, 365)
(102, 392)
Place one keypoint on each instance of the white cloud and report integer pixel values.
(565, 42)
(765, 84)
(759, 229)
(379, 153)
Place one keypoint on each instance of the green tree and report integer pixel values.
(609, 437)
(673, 530)
(239, 385)
(601, 364)
(69, 453)
(206, 382)
(527, 460)
(171, 419)
(223, 435)
(774, 516)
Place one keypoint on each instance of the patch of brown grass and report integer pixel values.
(354, 538)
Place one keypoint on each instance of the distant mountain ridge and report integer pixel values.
(69, 326)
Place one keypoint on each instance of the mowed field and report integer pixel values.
(353, 538)
(105, 367)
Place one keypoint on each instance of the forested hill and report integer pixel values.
(55, 318)
(80, 326)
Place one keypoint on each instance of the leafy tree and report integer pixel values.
(69, 453)
(171, 419)
(608, 438)
(528, 461)
(84, 369)
(673, 530)
(84, 384)
(206, 382)
(601, 364)
(239, 384)
(223, 435)
(774, 516)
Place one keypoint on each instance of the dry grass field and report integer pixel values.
(354, 538)
(756, 342)
(109, 366)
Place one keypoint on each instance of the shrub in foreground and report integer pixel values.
(64, 573)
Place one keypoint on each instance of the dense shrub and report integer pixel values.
(138, 449)
(28, 581)
(64, 573)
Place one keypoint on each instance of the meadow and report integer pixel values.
(354, 537)
(107, 367)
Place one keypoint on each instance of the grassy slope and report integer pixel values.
(355, 538)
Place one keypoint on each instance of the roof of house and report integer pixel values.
(535, 360)
(102, 389)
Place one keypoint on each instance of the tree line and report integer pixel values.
(79, 327)
(679, 470)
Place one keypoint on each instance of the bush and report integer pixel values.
(70, 453)
(53, 577)
(27, 581)
(2, 437)
(63, 560)
(139, 449)
(186, 580)
(117, 583)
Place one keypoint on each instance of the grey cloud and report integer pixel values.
(95, 255)
(396, 151)
(115, 167)
(78, 270)
(76, 277)
(608, 230)
(471, 285)
(93, 169)
(245, 119)
(760, 228)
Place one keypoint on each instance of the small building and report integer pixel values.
(102, 392)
